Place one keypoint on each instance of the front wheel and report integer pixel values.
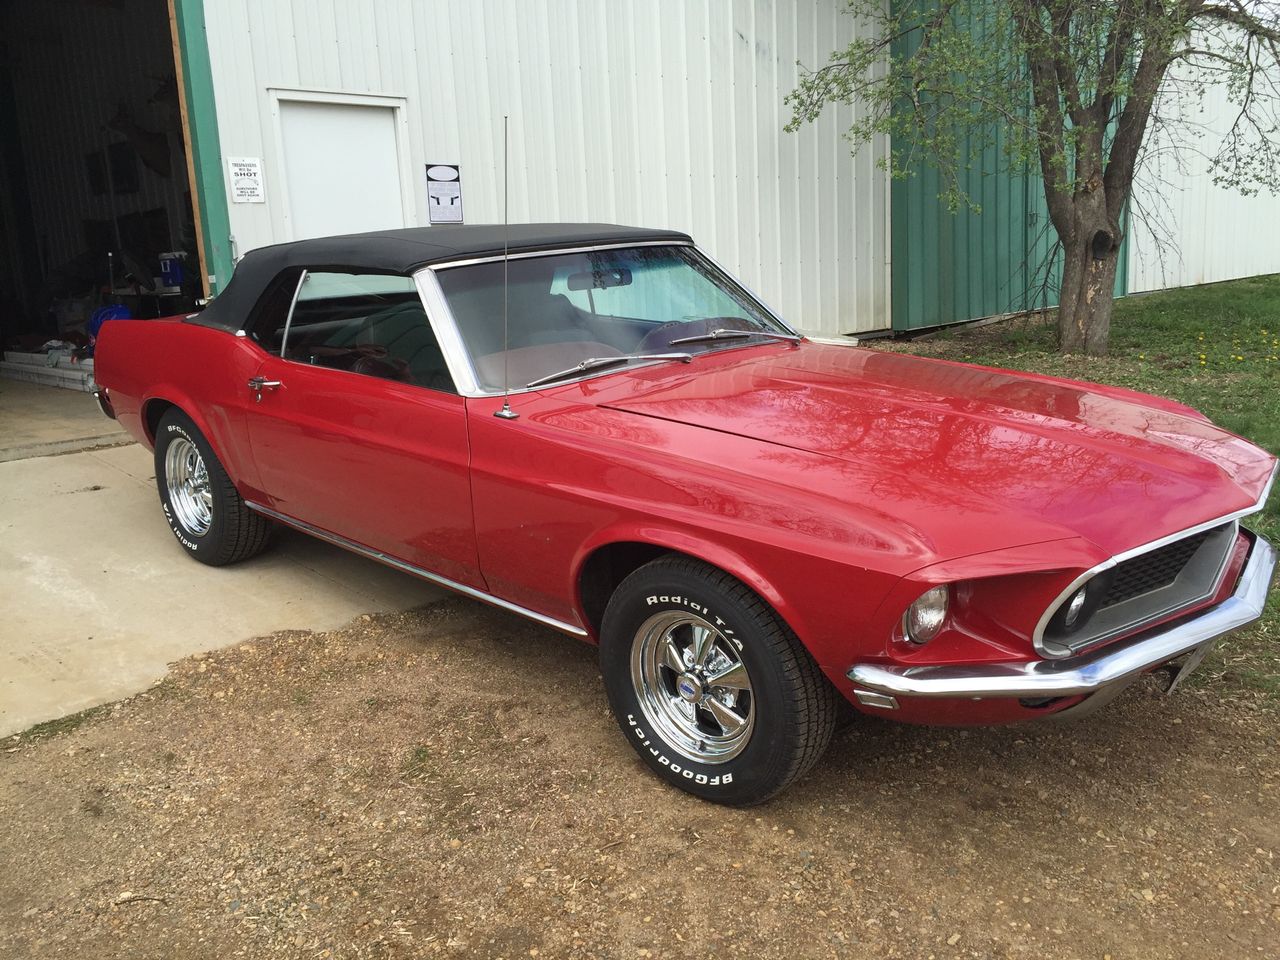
(711, 688)
(204, 509)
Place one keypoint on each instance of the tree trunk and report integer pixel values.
(1089, 267)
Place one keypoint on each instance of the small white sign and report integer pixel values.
(246, 180)
(444, 193)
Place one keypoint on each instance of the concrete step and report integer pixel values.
(42, 359)
(71, 378)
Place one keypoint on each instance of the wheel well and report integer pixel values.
(607, 567)
(152, 411)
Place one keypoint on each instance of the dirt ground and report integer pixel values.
(449, 782)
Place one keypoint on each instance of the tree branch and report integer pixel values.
(1238, 15)
(1116, 51)
(1131, 126)
(1050, 137)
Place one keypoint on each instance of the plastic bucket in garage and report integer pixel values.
(171, 269)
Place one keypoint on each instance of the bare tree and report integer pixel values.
(1069, 88)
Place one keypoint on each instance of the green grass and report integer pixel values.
(417, 762)
(62, 725)
(1215, 348)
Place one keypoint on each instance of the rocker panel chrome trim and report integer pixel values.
(409, 568)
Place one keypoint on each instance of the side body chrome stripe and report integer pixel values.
(427, 575)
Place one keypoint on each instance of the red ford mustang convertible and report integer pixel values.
(606, 433)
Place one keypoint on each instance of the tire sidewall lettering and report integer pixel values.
(193, 546)
(676, 768)
(176, 527)
(678, 601)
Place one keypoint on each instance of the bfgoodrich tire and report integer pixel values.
(204, 511)
(712, 690)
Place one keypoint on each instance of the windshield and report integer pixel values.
(571, 307)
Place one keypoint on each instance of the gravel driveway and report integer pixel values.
(449, 782)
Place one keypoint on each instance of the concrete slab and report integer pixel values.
(38, 421)
(97, 598)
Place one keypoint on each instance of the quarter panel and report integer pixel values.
(202, 370)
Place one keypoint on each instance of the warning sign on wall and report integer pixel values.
(444, 193)
(246, 180)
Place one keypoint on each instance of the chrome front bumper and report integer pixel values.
(1077, 675)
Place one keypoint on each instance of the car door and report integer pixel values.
(356, 428)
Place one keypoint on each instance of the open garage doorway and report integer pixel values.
(95, 186)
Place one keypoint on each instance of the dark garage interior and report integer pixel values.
(95, 203)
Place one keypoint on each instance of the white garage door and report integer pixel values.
(342, 168)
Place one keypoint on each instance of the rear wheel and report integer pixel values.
(205, 511)
(712, 689)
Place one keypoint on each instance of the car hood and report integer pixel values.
(1116, 467)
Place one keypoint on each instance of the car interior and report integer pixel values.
(369, 324)
(561, 310)
(520, 321)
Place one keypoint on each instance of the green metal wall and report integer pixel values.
(957, 266)
(202, 118)
(950, 267)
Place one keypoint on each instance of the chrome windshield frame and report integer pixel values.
(458, 358)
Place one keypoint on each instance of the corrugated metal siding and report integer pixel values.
(1186, 229)
(66, 87)
(667, 114)
(949, 267)
(973, 263)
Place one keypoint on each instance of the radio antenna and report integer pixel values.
(506, 413)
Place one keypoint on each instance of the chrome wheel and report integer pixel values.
(187, 481)
(692, 686)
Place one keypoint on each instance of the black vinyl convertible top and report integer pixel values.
(402, 252)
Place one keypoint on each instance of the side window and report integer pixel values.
(366, 323)
(270, 314)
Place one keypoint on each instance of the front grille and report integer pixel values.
(1151, 571)
(1143, 589)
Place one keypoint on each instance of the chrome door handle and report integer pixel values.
(258, 384)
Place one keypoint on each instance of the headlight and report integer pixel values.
(925, 617)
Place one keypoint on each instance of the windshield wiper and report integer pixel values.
(724, 334)
(595, 363)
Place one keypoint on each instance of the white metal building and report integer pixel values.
(1187, 229)
(665, 114)
(210, 127)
